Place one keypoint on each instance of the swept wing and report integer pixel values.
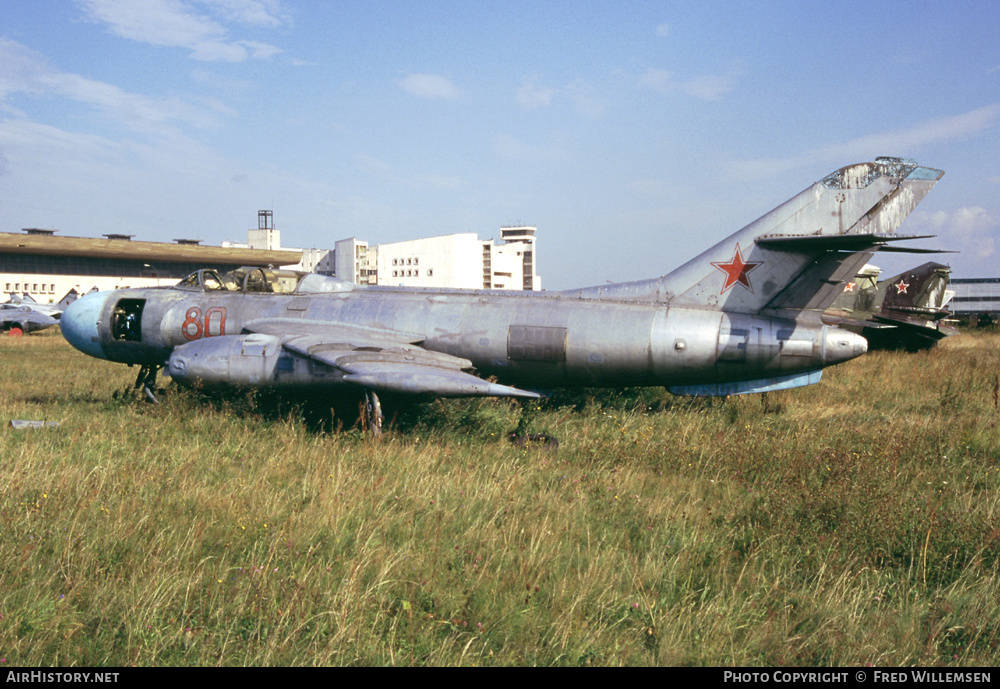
(376, 359)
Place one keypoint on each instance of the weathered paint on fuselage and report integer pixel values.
(535, 340)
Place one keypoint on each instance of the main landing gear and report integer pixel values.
(371, 413)
(147, 381)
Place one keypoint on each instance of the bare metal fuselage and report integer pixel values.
(532, 340)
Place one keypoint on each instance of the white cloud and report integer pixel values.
(441, 182)
(533, 95)
(431, 86)
(20, 68)
(372, 164)
(23, 70)
(902, 142)
(506, 146)
(906, 141)
(663, 29)
(708, 87)
(584, 97)
(973, 230)
(261, 51)
(178, 24)
(264, 13)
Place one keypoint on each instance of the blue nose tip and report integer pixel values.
(80, 320)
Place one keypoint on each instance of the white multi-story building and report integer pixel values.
(455, 260)
(354, 261)
(514, 259)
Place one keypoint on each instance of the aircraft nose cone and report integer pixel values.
(80, 320)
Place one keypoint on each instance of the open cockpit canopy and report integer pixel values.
(262, 280)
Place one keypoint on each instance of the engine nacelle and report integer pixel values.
(255, 360)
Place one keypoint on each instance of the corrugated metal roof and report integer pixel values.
(48, 245)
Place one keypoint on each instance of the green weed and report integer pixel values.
(847, 523)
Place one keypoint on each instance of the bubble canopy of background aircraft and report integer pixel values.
(744, 316)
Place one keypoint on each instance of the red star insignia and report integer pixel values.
(736, 270)
(901, 287)
(849, 287)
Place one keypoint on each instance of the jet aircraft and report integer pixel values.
(19, 315)
(742, 317)
(906, 311)
(53, 310)
(17, 319)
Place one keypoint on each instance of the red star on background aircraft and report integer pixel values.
(736, 270)
(901, 287)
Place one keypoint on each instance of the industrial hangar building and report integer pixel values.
(975, 296)
(45, 267)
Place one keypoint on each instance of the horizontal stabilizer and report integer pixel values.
(836, 242)
(852, 323)
(930, 313)
(748, 386)
(929, 326)
(915, 250)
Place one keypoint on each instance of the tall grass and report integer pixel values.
(847, 523)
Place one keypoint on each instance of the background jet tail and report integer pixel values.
(905, 311)
(921, 291)
(795, 258)
(68, 298)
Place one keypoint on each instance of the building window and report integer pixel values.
(430, 272)
(416, 261)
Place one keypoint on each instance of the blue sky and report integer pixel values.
(633, 134)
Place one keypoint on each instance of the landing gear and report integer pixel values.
(371, 413)
(147, 381)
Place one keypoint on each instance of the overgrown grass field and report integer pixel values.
(854, 522)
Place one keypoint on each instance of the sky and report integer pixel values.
(633, 134)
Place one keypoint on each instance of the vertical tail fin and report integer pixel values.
(68, 298)
(796, 257)
(922, 290)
